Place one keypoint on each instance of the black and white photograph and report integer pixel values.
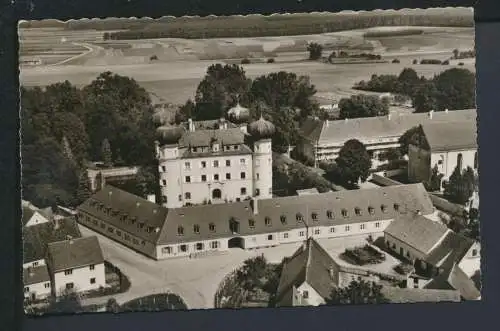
(207, 162)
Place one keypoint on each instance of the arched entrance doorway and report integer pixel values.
(216, 194)
(236, 242)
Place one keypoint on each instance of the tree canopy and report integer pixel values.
(353, 162)
(362, 105)
(315, 51)
(461, 185)
(358, 292)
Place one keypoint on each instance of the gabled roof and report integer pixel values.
(281, 213)
(368, 128)
(417, 231)
(455, 278)
(451, 136)
(413, 295)
(35, 275)
(75, 253)
(310, 264)
(311, 128)
(230, 136)
(37, 237)
(136, 209)
(450, 250)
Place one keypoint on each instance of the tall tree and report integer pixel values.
(106, 155)
(407, 137)
(434, 182)
(362, 105)
(83, 191)
(358, 292)
(456, 89)
(425, 97)
(315, 51)
(460, 185)
(353, 162)
(408, 81)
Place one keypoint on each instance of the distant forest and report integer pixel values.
(256, 26)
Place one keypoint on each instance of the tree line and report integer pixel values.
(65, 127)
(451, 89)
(225, 27)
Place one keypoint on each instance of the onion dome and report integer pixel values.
(169, 134)
(238, 114)
(261, 129)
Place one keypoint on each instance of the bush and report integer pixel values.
(396, 61)
(460, 63)
(430, 61)
(364, 255)
(445, 62)
(271, 60)
(404, 268)
(153, 58)
(245, 61)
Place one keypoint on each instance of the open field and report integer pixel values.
(182, 63)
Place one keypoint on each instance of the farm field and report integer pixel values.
(181, 63)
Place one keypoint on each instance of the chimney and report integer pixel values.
(255, 206)
(152, 198)
(431, 112)
(190, 125)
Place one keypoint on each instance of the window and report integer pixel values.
(180, 231)
(314, 216)
(216, 177)
(187, 195)
(68, 272)
(383, 208)
(257, 176)
(317, 231)
(285, 235)
(228, 176)
(251, 223)
(203, 164)
(180, 197)
(329, 214)
(188, 179)
(474, 252)
(357, 211)
(396, 207)
(214, 244)
(211, 227)
(267, 221)
(305, 294)
(242, 161)
(196, 228)
(332, 229)
(344, 212)
(92, 267)
(283, 219)
(166, 250)
(228, 163)
(47, 285)
(187, 165)
(243, 175)
(111, 230)
(371, 210)
(440, 162)
(92, 280)
(164, 199)
(243, 191)
(299, 217)
(164, 182)
(199, 246)
(26, 289)
(183, 248)
(270, 237)
(216, 164)
(69, 286)
(135, 241)
(362, 227)
(35, 264)
(257, 192)
(377, 224)
(203, 178)
(195, 149)
(347, 228)
(163, 168)
(127, 237)
(103, 226)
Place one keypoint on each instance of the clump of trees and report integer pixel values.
(343, 54)
(464, 54)
(65, 127)
(461, 185)
(430, 61)
(353, 163)
(296, 176)
(315, 51)
(434, 182)
(362, 105)
(358, 292)
(271, 60)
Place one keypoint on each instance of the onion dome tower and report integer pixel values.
(261, 129)
(238, 114)
(262, 132)
(169, 134)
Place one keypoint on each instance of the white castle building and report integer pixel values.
(215, 165)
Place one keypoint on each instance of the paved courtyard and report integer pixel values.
(196, 280)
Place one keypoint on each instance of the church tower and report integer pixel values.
(261, 132)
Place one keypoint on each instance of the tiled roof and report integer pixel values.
(242, 150)
(281, 213)
(210, 124)
(37, 237)
(417, 231)
(311, 264)
(411, 295)
(449, 251)
(35, 275)
(230, 136)
(450, 136)
(74, 253)
(367, 128)
(455, 278)
(127, 212)
(311, 128)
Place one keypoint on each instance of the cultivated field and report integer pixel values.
(180, 64)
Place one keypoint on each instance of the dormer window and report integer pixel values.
(149, 229)
(267, 221)
(357, 211)
(211, 227)
(344, 213)
(283, 219)
(314, 216)
(251, 223)
(299, 217)
(180, 231)
(371, 210)
(196, 228)
(195, 149)
(133, 220)
(215, 147)
(141, 225)
(329, 214)
(383, 208)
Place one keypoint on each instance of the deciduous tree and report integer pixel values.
(362, 105)
(358, 292)
(353, 162)
(315, 51)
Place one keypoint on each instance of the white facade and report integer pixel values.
(216, 178)
(309, 295)
(471, 262)
(181, 249)
(37, 291)
(81, 279)
(36, 218)
(36, 263)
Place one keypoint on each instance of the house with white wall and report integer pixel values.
(36, 281)
(76, 264)
(445, 146)
(162, 233)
